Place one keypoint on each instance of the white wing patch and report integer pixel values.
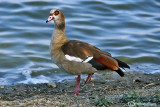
(73, 58)
(88, 59)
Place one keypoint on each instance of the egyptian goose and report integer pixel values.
(76, 57)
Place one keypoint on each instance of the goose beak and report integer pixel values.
(49, 19)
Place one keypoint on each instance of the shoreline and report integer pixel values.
(107, 89)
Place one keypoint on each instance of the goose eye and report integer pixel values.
(56, 12)
(50, 17)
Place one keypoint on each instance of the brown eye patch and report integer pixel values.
(56, 12)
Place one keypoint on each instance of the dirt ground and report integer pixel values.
(106, 89)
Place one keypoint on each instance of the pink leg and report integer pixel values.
(88, 78)
(77, 86)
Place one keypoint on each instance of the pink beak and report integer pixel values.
(49, 19)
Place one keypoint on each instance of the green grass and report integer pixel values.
(102, 101)
(63, 105)
(134, 97)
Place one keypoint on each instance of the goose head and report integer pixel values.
(56, 15)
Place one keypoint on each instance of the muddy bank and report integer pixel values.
(107, 89)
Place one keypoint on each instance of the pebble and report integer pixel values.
(52, 84)
(136, 80)
(2, 87)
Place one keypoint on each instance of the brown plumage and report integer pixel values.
(78, 57)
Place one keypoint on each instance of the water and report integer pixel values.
(129, 29)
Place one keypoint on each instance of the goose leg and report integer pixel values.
(88, 78)
(77, 86)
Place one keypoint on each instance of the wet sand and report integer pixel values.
(105, 87)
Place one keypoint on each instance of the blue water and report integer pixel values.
(129, 30)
